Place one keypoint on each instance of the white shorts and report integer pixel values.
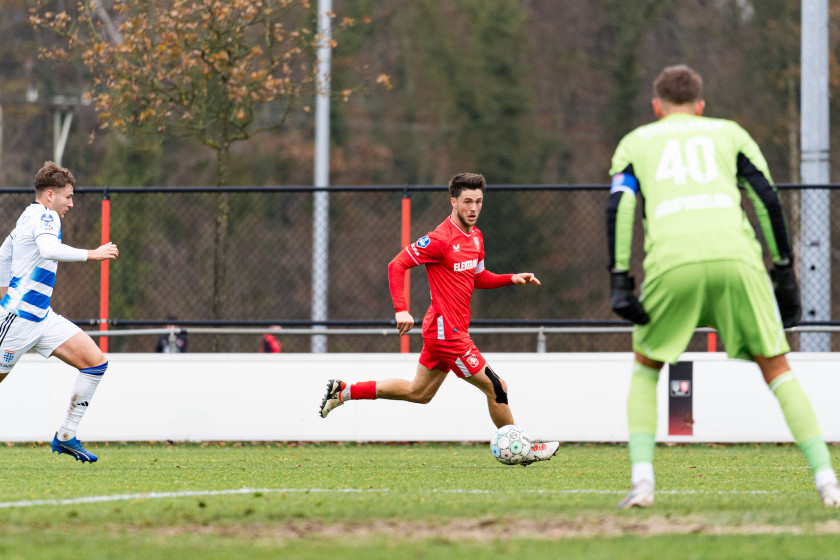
(17, 336)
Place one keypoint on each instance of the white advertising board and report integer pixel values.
(275, 397)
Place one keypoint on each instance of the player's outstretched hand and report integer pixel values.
(405, 322)
(107, 251)
(524, 278)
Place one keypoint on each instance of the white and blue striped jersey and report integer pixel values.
(32, 276)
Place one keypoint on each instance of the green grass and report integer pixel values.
(407, 501)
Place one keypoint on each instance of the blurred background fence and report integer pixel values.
(167, 240)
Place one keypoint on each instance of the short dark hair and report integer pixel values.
(678, 84)
(466, 181)
(52, 176)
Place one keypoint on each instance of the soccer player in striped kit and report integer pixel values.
(454, 258)
(29, 259)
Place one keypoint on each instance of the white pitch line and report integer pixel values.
(201, 493)
(161, 495)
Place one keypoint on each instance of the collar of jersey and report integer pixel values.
(456, 226)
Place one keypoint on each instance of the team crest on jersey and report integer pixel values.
(471, 360)
(47, 222)
(8, 356)
(423, 242)
(475, 240)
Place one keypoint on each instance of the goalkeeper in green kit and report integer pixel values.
(703, 265)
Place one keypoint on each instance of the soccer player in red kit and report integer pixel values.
(454, 257)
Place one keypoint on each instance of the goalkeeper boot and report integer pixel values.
(74, 448)
(332, 398)
(540, 451)
(830, 494)
(641, 495)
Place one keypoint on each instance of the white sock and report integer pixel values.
(642, 472)
(824, 477)
(345, 394)
(83, 390)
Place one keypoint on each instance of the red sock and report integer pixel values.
(363, 390)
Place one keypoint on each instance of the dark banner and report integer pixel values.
(680, 399)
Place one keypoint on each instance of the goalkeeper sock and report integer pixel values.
(802, 422)
(641, 472)
(86, 384)
(821, 478)
(641, 419)
(360, 390)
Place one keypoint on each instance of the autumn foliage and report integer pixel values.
(218, 70)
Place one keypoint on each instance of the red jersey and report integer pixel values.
(454, 262)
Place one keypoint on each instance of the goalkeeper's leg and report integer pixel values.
(641, 419)
(803, 425)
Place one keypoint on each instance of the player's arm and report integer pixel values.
(754, 175)
(427, 249)
(396, 283)
(621, 211)
(486, 280)
(6, 264)
(50, 247)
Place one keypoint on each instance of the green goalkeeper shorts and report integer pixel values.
(733, 297)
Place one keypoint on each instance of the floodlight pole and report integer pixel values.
(63, 108)
(321, 202)
(62, 118)
(815, 211)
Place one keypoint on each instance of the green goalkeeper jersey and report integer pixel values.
(688, 170)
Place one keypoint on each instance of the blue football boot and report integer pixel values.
(73, 447)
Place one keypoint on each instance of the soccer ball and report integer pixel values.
(510, 444)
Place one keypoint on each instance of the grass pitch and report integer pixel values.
(260, 501)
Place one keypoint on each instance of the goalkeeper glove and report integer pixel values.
(787, 294)
(623, 301)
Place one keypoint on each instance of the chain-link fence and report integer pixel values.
(243, 256)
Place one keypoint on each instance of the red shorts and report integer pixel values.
(460, 356)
